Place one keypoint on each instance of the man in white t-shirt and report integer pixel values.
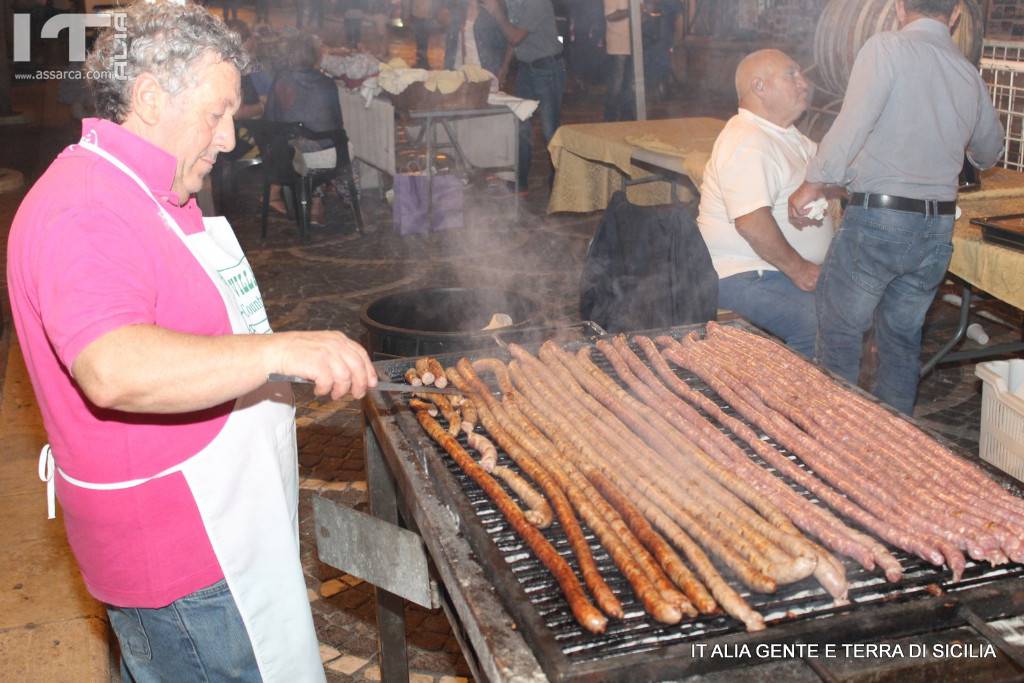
(618, 99)
(767, 267)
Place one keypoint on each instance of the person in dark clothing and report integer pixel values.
(490, 45)
(310, 13)
(230, 10)
(586, 55)
(421, 16)
(352, 12)
(659, 33)
(529, 26)
(262, 11)
(619, 102)
(303, 94)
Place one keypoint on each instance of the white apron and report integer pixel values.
(245, 482)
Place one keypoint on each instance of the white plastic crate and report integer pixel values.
(1007, 50)
(1002, 415)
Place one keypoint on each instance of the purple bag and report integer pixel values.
(409, 210)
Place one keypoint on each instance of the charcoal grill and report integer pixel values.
(514, 624)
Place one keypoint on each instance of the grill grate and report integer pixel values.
(638, 632)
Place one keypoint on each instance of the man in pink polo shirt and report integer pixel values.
(149, 350)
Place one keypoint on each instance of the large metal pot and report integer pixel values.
(441, 320)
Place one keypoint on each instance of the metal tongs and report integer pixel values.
(391, 387)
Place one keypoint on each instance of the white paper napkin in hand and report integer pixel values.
(816, 209)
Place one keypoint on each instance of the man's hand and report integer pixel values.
(762, 232)
(150, 369)
(799, 201)
(806, 276)
(336, 364)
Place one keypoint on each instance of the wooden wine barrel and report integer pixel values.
(845, 25)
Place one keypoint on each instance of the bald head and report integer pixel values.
(762, 65)
(770, 84)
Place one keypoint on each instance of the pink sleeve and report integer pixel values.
(94, 276)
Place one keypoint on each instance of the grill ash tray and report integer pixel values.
(640, 648)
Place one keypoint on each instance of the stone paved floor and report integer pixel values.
(325, 283)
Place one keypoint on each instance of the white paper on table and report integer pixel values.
(523, 109)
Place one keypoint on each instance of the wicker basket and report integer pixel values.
(417, 98)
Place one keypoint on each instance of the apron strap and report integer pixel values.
(167, 218)
(46, 474)
(47, 469)
(118, 485)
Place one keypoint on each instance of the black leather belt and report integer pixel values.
(927, 207)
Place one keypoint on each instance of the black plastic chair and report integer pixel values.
(273, 138)
(342, 169)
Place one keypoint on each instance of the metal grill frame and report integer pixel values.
(527, 648)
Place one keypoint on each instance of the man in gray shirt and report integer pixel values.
(530, 29)
(913, 106)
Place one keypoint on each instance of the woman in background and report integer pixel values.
(301, 93)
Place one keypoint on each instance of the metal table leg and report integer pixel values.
(461, 162)
(515, 163)
(958, 335)
(394, 663)
(947, 355)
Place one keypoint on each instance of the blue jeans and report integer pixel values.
(771, 301)
(884, 267)
(543, 80)
(421, 31)
(199, 637)
(230, 9)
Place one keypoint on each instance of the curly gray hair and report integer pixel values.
(162, 38)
